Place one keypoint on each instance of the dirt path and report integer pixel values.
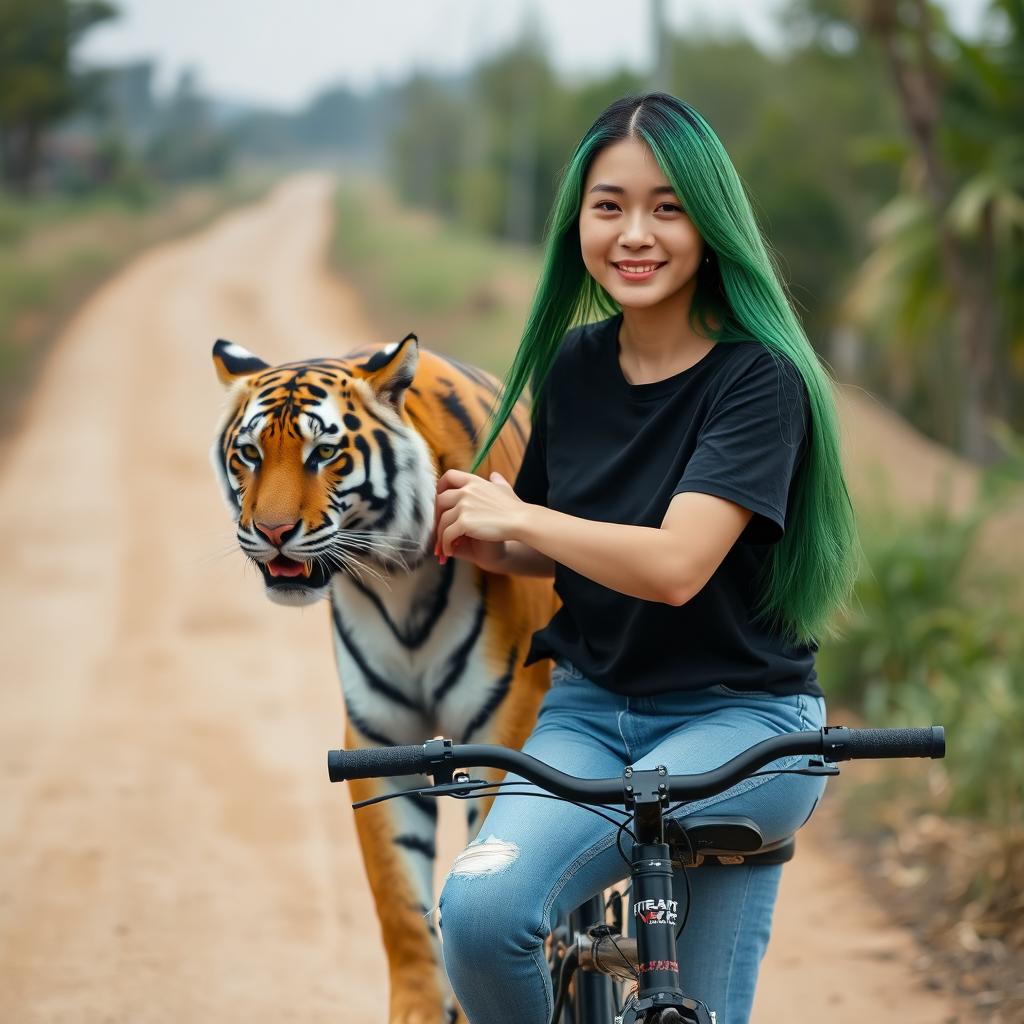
(170, 849)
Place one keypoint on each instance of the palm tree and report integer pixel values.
(947, 261)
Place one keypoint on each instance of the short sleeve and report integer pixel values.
(531, 483)
(750, 446)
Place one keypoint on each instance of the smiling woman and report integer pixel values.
(640, 235)
(715, 285)
(683, 480)
(636, 230)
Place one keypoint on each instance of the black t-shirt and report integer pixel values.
(733, 425)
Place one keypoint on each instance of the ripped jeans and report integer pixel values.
(536, 858)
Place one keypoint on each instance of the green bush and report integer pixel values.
(935, 636)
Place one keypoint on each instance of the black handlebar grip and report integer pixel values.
(376, 762)
(845, 744)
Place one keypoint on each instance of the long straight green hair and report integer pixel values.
(810, 572)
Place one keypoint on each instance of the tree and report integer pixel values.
(947, 259)
(37, 83)
(426, 145)
(789, 121)
(186, 143)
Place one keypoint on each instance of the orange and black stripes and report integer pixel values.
(345, 453)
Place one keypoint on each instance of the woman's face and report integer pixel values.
(635, 238)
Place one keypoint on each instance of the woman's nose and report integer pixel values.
(636, 232)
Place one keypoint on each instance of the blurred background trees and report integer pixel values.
(38, 86)
(946, 260)
(884, 156)
(883, 153)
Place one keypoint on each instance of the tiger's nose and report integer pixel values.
(277, 533)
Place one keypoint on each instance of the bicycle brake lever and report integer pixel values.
(460, 785)
(461, 788)
(814, 766)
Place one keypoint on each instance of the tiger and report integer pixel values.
(329, 467)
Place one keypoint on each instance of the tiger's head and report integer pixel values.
(322, 469)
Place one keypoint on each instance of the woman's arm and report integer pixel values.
(669, 564)
(510, 557)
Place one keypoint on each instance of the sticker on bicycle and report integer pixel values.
(656, 911)
(657, 965)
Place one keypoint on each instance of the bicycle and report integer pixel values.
(648, 959)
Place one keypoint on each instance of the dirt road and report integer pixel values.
(170, 849)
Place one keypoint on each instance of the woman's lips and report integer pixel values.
(628, 272)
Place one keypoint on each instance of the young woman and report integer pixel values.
(683, 485)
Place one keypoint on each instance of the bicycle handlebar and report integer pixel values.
(835, 743)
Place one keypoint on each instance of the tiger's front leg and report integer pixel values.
(397, 839)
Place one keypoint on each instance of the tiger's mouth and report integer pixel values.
(284, 566)
(284, 573)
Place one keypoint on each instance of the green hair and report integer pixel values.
(810, 572)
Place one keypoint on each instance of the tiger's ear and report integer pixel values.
(233, 362)
(391, 370)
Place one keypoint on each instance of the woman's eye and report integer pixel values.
(325, 451)
(250, 452)
(604, 205)
(670, 206)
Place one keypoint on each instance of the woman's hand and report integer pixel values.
(473, 518)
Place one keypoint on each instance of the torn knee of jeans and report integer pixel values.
(484, 857)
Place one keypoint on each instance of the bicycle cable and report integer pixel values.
(618, 843)
(623, 825)
(571, 953)
(477, 789)
(625, 959)
(689, 891)
(636, 975)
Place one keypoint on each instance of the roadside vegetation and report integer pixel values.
(885, 161)
(54, 251)
(458, 292)
(94, 167)
(934, 636)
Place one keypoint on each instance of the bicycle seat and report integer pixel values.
(723, 840)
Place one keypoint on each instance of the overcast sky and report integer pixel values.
(282, 52)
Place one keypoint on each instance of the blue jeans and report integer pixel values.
(536, 858)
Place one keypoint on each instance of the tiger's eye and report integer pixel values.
(250, 452)
(325, 451)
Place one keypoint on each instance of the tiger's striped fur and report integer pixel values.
(330, 467)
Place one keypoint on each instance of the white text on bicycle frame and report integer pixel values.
(656, 911)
